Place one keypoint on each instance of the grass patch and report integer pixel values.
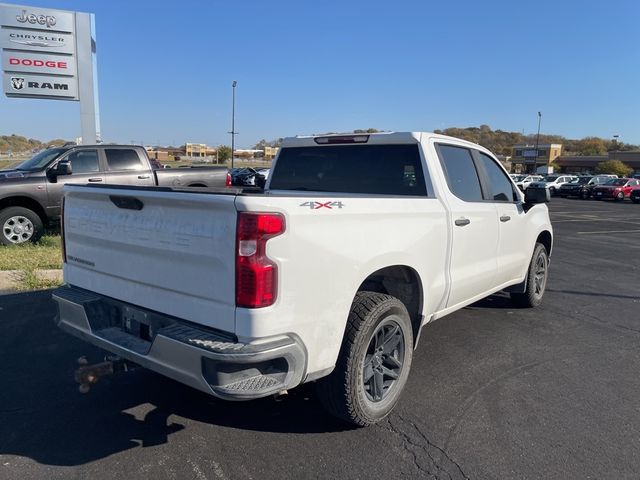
(27, 258)
(44, 255)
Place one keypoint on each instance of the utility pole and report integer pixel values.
(233, 120)
(615, 151)
(535, 169)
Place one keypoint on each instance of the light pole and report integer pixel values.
(233, 120)
(615, 152)
(535, 169)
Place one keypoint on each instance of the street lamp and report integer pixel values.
(233, 120)
(535, 170)
(615, 151)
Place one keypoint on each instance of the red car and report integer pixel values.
(618, 188)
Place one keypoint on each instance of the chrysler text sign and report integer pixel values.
(54, 42)
(35, 62)
(22, 85)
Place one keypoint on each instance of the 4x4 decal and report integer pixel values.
(318, 205)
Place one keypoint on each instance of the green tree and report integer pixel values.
(224, 153)
(591, 146)
(615, 167)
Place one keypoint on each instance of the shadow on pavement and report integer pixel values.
(44, 417)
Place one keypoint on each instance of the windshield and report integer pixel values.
(584, 180)
(550, 178)
(519, 178)
(41, 160)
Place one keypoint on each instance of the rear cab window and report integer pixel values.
(359, 169)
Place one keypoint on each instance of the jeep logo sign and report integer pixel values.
(33, 19)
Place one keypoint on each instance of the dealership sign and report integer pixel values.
(39, 52)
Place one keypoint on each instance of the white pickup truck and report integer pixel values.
(328, 275)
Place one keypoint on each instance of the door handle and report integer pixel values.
(95, 180)
(505, 218)
(144, 177)
(461, 222)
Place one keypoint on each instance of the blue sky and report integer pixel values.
(165, 69)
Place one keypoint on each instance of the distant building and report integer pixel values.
(588, 163)
(525, 158)
(270, 152)
(199, 150)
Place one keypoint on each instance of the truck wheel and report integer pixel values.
(374, 361)
(536, 280)
(19, 225)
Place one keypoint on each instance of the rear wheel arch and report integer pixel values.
(403, 283)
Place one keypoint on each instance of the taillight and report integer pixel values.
(227, 182)
(256, 274)
(64, 248)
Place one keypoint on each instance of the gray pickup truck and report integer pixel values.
(31, 192)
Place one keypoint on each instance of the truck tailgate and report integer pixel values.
(168, 252)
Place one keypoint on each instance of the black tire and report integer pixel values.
(620, 197)
(378, 336)
(552, 191)
(19, 225)
(584, 195)
(537, 277)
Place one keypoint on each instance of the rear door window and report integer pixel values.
(461, 173)
(119, 159)
(364, 169)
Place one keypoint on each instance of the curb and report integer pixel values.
(11, 279)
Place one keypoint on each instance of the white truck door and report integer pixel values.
(474, 226)
(513, 256)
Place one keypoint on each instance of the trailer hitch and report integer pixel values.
(88, 375)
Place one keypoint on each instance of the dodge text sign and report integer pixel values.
(35, 62)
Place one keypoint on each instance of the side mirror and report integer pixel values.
(533, 196)
(63, 168)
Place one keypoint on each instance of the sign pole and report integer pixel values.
(87, 80)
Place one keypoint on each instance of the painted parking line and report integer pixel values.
(608, 232)
(622, 220)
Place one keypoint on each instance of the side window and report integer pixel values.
(461, 173)
(500, 186)
(123, 159)
(84, 161)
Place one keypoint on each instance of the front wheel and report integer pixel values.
(20, 225)
(620, 196)
(374, 361)
(536, 280)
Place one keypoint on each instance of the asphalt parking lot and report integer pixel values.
(494, 392)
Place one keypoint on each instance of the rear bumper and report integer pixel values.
(211, 361)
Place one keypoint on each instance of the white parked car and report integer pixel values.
(553, 182)
(524, 181)
(327, 276)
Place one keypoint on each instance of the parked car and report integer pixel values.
(618, 189)
(524, 181)
(635, 195)
(328, 278)
(553, 182)
(31, 192)
(583, 187)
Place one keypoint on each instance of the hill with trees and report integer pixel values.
(17, 144)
